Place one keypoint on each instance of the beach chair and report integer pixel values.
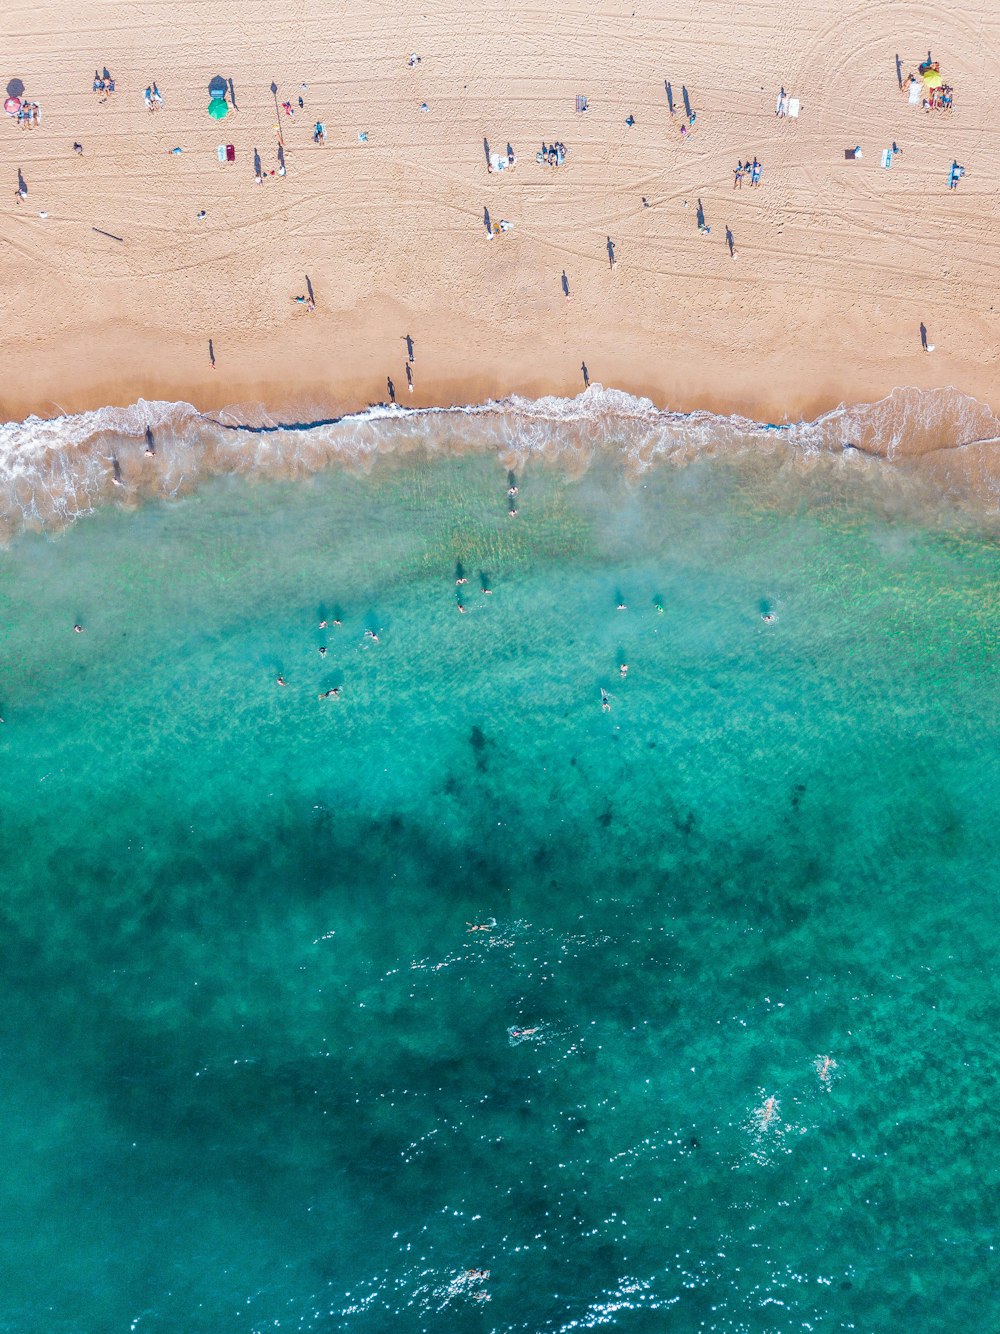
(886, 157)
(581, 102)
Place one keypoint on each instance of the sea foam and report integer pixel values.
(53, 470)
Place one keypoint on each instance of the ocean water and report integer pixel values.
(722, 1056)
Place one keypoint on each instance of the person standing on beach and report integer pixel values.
(211, 354)
(611, 254)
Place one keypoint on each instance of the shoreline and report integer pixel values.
(941, 445)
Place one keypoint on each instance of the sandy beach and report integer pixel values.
(837, 262)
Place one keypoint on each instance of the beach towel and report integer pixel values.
(220, 152)
(581, 102)
(230, 153)
(793, 106)
(886, 157)
(915, 89)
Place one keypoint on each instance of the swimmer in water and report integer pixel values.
(370, 634)
(281, 681)
(333, 693)
(621, 607)
(659, 607)
(767, 617)
(512, 491)
(605, 701)
(478, 1274)
(482, 926)
(824, 1064)
(768, 1112)
(623, 670)
(78, 629)
(523, 1032)
(322, 650)
(322, 625)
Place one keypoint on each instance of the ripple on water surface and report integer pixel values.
(456, 1001)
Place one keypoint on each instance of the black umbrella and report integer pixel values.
(15, 88)
(218, 87)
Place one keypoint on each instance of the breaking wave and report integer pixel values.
(53, 470)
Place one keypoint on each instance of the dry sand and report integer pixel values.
(837, 262)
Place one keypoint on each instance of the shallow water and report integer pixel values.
(258, 1072)
(938, 441)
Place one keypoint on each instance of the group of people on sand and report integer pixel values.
(937, 96)
(153, 98)
(27, 114)
(552, 155)
(752, 169)
(939, 99)
(103, 83)
(501, 162)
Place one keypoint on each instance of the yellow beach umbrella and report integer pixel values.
(933, 79)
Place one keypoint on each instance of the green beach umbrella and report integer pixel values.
(218, 108)
(933, 79)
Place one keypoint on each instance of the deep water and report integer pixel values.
(257, 1071)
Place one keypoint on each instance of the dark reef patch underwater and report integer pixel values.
(719, 1057)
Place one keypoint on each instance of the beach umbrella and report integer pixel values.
(218, 108)
(12, 106)
(15, 88)
(933, 79)
(218, 87)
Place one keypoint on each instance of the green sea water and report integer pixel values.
(257, 1072)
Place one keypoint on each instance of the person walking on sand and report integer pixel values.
(612, 261)
(928, 347)
(565, 286)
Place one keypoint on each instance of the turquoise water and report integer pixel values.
(257, 1071)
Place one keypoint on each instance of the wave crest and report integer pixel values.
(52, 470)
